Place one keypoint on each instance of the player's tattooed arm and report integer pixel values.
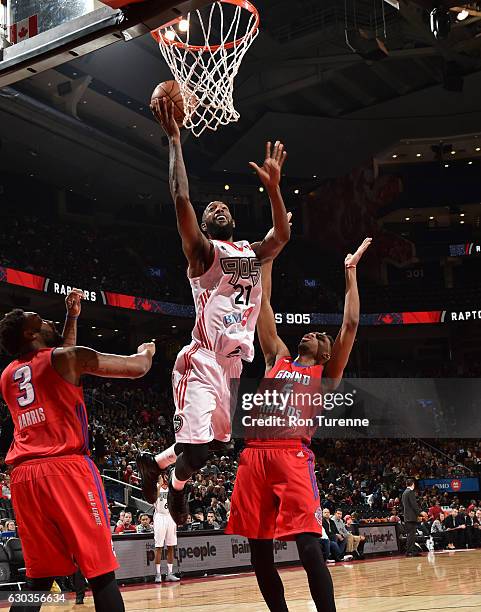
(344, 342)
(270, 175)
(196, 247)
(272, 346)
(72, 362)
(74, 307)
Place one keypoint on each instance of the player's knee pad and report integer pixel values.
(310, 553)
(196, 455)
(100, 582)
(39, 584)
(262, 555)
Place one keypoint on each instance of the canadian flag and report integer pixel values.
(24, 29)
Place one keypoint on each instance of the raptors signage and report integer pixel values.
(65, 289)
(245, 269)
(462, 316)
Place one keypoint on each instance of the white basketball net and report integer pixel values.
(206, 75)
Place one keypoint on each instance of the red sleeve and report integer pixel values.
(119, 529)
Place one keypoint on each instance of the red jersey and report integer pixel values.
(48, 412)
(296, 421)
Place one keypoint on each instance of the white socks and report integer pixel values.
(157, 568)
(166, 458)
(178, 484)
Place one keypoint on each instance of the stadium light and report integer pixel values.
(462, 15)
(170, 35)
(183, 25)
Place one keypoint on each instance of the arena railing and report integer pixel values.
(446, 456)
(129, 499)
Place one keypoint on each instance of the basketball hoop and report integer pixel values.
(204, 54)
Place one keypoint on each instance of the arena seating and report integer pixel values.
(118, 259)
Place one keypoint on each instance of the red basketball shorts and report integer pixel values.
(62, 516)
(275, 493)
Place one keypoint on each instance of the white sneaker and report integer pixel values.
(158, 578)
(331, 560)
(171, 578)
(347, 558)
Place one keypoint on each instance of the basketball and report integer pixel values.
(171, 91)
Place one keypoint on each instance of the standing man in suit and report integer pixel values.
(411, 513)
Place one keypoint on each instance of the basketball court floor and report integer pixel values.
(441, 581)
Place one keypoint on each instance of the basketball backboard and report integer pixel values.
(36, 35)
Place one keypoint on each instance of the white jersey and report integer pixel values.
(161, 501)
(227, 300)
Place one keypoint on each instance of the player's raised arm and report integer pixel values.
(74, 307)
(342, 347)
(72, 362)
(196, 247)
(270, 176)
(272, 346)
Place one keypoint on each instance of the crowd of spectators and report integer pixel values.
(364, 477)
(121, 258)
(94, 257)
(359, 480)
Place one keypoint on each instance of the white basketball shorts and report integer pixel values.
(201, 382)
(165, 530)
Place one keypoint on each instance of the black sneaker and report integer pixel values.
(149, 471)
(79, 600)
(218, 447)
(177, 505)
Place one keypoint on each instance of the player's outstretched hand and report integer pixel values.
(147, 346)
(163, 111)
(270, 172)
(73, 302)
(351, 260)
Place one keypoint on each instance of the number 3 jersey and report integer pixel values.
(227, 300)
(48, 412)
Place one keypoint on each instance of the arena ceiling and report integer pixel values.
(87, 124)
